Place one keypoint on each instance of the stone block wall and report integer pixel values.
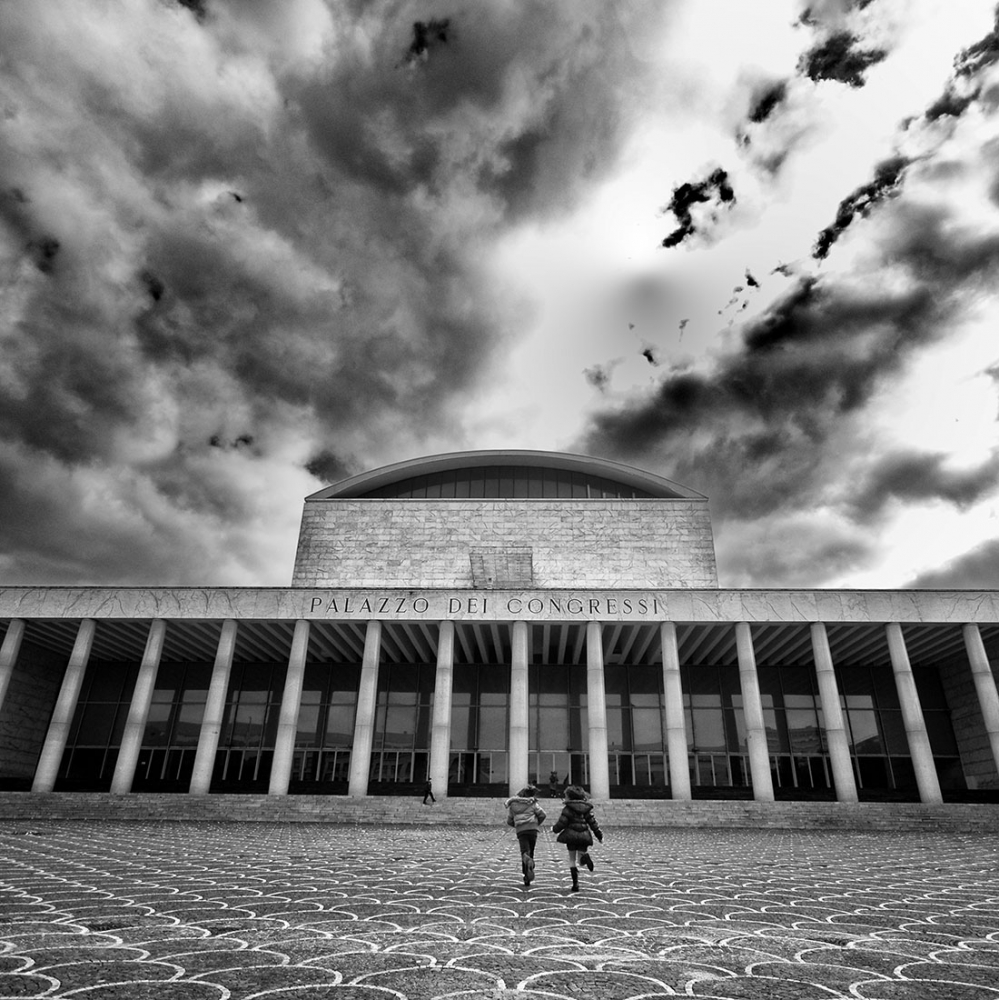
(607, 544)
(24, 718)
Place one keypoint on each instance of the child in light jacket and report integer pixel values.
(576, 828)
(525, 816)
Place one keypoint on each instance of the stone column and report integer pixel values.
(62, 717)
(364, 724)
(837, 739)
(211, 722)
(752, 706)
(519, 711)
(676, 730)
(138, 710)
(985, 685)
(596, 711)
(440, 734)
(291, 703)
(912, 717)
(8, 654)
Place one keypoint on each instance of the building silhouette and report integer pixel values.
(484, 619)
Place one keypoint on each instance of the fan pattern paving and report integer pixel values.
(200, 911)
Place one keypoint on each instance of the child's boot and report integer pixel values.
(527, 863)
(585, 859)
(574, 872)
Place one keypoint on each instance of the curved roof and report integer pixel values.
(366, 482)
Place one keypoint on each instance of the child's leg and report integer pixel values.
(572, 858)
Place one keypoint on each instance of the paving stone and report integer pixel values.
(110, 910)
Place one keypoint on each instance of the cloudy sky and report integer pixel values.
(248, 247)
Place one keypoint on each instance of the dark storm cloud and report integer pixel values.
(750, 433)
(329, 467)
(840, 57)
(980, 55)
(963, 89)
(887, 179)
(197, 7)
(977, 569)
(461, 113)
(264, 259)
(789, 552)
(598, 376)
(767, 100)
(770, 430)
(915, 476)
(426, 36)
(715, 188)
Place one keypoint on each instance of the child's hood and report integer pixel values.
(520, 799)
(578, 806)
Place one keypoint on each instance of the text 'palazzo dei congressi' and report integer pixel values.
(485, 619)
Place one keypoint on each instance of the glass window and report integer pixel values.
(864, 729)
(893, 728)
(941, 733)
(492, 729)
(708, 731)
(97, 724)
(553, 733)
(157, 731)
(339, 726)
(187, 727)
(647, 727)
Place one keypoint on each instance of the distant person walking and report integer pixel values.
(553, 785)
(525, 816)
(576, 828)
(428, 793)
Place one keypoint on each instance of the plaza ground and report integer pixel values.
(108, 910)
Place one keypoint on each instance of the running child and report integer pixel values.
(525, 816)
(574, 828)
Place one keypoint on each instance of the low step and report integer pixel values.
(892, 816)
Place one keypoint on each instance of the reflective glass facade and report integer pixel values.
(480, 717)
(496, 482)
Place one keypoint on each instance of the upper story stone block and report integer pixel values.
(502, 520)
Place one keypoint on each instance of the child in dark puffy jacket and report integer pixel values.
(576, 828)
(525, 816)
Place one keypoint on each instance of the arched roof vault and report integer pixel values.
(377, 479)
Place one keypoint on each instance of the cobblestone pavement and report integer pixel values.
(185, 911)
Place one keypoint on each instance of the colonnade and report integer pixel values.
(675, 735)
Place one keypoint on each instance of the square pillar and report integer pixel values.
(62, 717)
(676, 730)
(596, 711)
(364, 724)
(8, 654)
(912, 717)
(985, 687)
(837, 741)
(291, 703)
(519, 710)
(138, 710)
(440, 733)
(211, 721)
(752, 706)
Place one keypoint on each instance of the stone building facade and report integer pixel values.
(485, 619)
